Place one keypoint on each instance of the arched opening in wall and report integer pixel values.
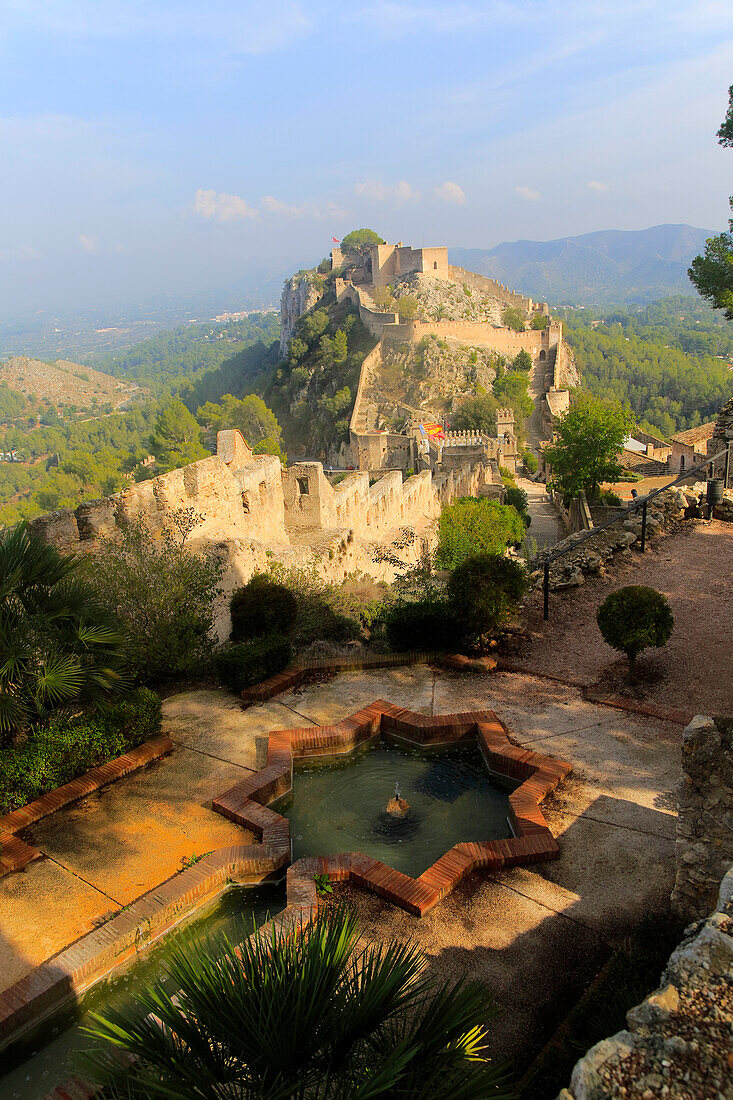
(245, 503)
(682, 462)
(543, 356)
(303, 487)
(435, 265)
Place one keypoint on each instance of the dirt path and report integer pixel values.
(694, 569)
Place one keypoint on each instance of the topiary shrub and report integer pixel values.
(428, 623)
(262, 606)
(484, 592)
(633, 618)
(242, 664)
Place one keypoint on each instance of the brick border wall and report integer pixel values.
(90, 958)
(246, 803)
(298, 672)
(16, 854)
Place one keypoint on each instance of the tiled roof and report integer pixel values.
(699, 434)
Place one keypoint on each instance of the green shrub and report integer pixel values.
(318, 615)
(517, 498)
(484, 592)
(66, 748)
(427, 623)
(242, 664)
(632, 618)
(262, 606)
(529, 458)
(162, 595)
(474, 525)
(611, 500)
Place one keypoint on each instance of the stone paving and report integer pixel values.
(548, 925)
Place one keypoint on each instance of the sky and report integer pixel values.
(166, 147)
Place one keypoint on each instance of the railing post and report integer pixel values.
(546, 592)
(643, 526)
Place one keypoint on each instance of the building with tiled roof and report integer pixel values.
(690, 447)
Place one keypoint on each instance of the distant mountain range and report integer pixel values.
(609, 267)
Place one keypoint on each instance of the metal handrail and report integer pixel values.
(641, 502)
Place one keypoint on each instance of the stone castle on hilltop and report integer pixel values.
(252, 511)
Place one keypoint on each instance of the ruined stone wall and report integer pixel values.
(704, 846)
(496, 290)
(678, 1041)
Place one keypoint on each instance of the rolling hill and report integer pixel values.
(608, 267)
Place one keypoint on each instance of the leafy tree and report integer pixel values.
(176, 438)
(588, 441)
(518, 499)
(484, 591)
(383, 298)
(476, 525)
(539, 322)
(58, 646)
(476, 414)
(360, 241)
(512, 389)
(712, 273)
(522, 360)
(162, 596)
(407, 307)
(251, 416)
(513, 318)
(632, 618)
(343, 1020)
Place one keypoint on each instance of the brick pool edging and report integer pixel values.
(16, 853)
(295, 674)
(77, 967)
(246, 803)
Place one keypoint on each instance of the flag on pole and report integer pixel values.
(335, 240)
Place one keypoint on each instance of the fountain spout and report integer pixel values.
(397, 806)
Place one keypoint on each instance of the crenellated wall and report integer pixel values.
(253, 511)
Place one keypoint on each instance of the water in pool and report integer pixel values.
(35, 1067)
(342, 806)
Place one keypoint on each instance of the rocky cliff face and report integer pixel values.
(299, 294)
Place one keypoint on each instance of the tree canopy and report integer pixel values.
(251, 416)
(176, 437)
(589, 440)
(359, 240)
(712, 272)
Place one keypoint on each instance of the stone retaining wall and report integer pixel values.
(704, 845)
(678, 1041)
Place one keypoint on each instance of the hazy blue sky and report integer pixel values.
(165, 146)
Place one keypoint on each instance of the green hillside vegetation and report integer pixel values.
(65, 462)
(188, 351)
(669, 362)
(312, 391)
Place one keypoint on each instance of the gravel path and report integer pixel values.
(694, 569)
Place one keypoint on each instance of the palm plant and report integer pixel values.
(57, 646)
(298, 1014)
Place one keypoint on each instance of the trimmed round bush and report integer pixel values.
(421, 624)
(633, 618)
(484, 592)
(262, 606)
(242, 664)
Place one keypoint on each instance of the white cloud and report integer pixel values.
(222, 207)
(21, 253)
(376, 191)
(528, 193)
(450, 192)
(271, 205)
(88, 243)
(596, 185)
